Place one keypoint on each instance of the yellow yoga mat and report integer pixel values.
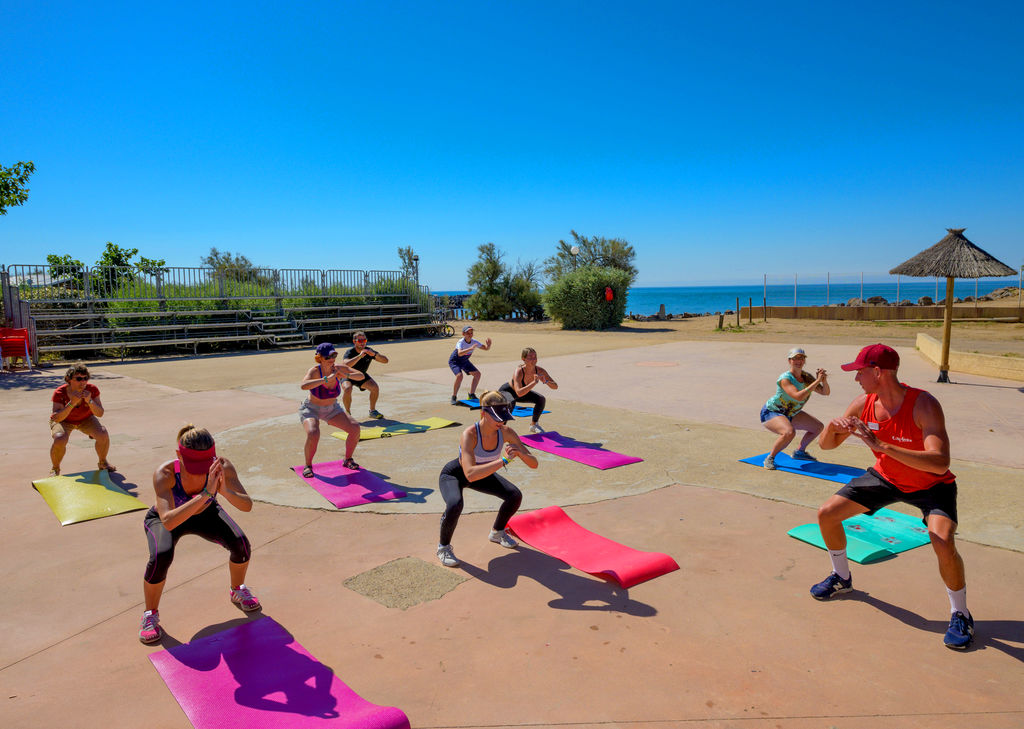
(84, 496)
(387, 431)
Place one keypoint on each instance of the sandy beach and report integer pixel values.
(730, 639)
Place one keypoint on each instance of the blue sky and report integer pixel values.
(723, 140)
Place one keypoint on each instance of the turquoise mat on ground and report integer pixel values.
(518, 411)
(815, 469)
(872, 538)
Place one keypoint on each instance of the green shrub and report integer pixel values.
(577, 299)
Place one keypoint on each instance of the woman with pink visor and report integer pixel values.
(186, 503)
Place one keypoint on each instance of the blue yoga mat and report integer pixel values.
(518, 411)
(872, 538)
(815, 469)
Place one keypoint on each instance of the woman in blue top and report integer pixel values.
(783, 413)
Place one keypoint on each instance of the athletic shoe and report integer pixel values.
(831, 586)
(376, 415)
(242, 597)
(503, 539)
(960, 632)
(455, 400)
(150, 631)
(472, 396)
(801, 455)
(447, 556)
(535, 428)
(769, 463)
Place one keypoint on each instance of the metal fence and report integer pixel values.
(61, 284)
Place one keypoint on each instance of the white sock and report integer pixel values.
(958, 601)
(840, 565)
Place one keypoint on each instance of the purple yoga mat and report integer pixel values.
(258, 675)
(344, 487)
(574, 450)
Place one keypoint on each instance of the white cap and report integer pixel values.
(795, 352)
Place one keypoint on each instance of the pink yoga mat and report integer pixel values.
(574, 450)
(257, 675)
(552, 531)
(345, 487)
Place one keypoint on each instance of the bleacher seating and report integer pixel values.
(123, 330)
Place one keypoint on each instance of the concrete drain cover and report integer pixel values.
(404, 582)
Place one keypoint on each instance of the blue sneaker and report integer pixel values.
(831, 586)
(801, 455)
(960, 632)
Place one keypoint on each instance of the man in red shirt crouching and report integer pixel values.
(77, 406)
(906, 430)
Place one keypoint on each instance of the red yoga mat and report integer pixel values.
(258, 675)
(552, 531)
(346, 487)
(574, 450)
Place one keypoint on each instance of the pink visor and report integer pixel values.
(197, 462)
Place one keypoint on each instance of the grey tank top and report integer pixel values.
(481, 454)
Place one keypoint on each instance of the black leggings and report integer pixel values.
(538, 400)
(212, 524)
(451, 483)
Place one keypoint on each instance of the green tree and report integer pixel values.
(14, 185)
(117, 267)
(234, 266)
(578, 298)
(410, 262)
(66, 267)
(596, 251)
(485, 279)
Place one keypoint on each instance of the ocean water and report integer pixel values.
(713, 299)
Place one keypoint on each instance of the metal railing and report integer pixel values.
(66, 285)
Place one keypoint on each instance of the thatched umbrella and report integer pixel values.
(953, 257)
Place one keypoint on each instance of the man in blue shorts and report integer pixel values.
(906, 429)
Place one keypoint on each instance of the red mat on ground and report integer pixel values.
(346, 487)
(258, 675)
(552, 531)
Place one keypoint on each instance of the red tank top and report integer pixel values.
(900, 430)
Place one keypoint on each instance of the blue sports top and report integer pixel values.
(177, 490)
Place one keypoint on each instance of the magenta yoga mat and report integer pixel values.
(258, 675)
(346, 487)
(586, 453)
(553, 532)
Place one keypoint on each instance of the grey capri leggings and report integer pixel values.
(212, 524)
(451, 483)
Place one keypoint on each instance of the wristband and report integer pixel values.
(504, 460)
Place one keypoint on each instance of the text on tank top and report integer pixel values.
(901, 430)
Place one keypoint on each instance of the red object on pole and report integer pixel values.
(608, 293)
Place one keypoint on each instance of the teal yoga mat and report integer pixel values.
(872, 538)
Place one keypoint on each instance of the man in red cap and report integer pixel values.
(906, 430)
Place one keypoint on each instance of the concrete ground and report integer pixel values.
(732, 639)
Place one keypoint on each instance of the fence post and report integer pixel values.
(750, 310)
(737, 312)
(87, 289)
(160, 291)
(220, 282)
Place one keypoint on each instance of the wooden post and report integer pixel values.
(737, 312)
(750, 310)
(947, 325)
(721, 321)
(764, 309)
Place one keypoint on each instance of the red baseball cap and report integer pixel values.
(875, 355)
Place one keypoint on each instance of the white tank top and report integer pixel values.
(481, 454)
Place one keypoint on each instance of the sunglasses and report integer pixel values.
(81, 379)
(333, 356)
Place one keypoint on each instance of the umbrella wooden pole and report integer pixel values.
(947, 325)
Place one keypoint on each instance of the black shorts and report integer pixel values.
(359, 383)
(873, 492)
